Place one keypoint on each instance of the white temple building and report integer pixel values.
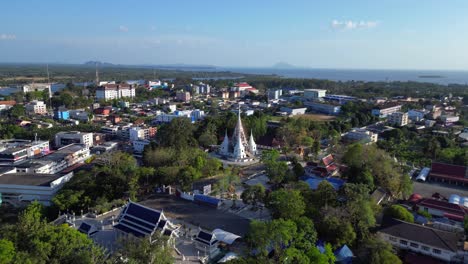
(238, 148)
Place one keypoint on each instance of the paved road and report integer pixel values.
(206, 217)
(427, 189)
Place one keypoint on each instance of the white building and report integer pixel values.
(13, 150)
(442, 245)
(115, 91)
(383, 111)
(23, 187)
(36, 107)
(325, 108)
(137, 133)
(275, 94)
(358, 134)
(72, 137)
(398, 118)
(38, 87)
(314, 93)
(417, 115)
(293, 111)
(139, 145)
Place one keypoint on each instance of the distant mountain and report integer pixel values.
(283, 65)
(99, 63)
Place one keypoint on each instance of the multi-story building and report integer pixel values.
(61, 113)
(398, 118)
(383, 111)
(14, 150)
(37, 87)
(138, 133)
(183, 96)
(293, 111)
(314, 94)
(139, 145)
(80, 115)
(416, 114)
(329, 109)
(339, 99)
(68, 156)
(36, 107)
(72, 137)
(275, 94)
(115, 91)
(361, 135)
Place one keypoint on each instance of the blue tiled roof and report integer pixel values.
(205, 236)
(134, 220)
(344, 255)
(143, 212)
(128, 230)
(84, 228)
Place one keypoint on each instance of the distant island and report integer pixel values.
(431, 76)
(283, 65)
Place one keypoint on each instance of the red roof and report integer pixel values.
(327, 160)
(243, 84)
(449, 208)
(7, 102)
(449, 170)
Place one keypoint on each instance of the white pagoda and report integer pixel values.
(238, 148)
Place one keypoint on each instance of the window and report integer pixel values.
(393, 239)
(436, 251)
(403, 242)
(414, 245)
(426, 248)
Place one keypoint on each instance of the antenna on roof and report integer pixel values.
(97, 75)
(50, 86)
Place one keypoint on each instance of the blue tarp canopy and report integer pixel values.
(344, 255)
(314, 182)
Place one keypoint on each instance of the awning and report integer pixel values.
(225, 236)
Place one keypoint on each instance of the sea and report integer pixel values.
(427, 76)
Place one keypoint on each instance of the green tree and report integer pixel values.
(136, 250)
(7, 251)
(253, 194)
(374, 250)
(326, 195)
(399, 212)
(287, 204)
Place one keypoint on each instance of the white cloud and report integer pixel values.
(349, 24)
(123, 29)
(7, 37)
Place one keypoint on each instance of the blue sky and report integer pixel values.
(383, 34)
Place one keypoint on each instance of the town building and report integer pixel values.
(324, 108)
(18, 188)
(38, 87)
(442, 245)
(5, 105)
(339, 99)
(398, 119)
(183, 96)
(67, 156)
(314, 94)
(383, 111)
(293, 111)
(360, 135)
(274, 94)
(115, 91)
(72, 137)
(80, 115)
(36, 107)
(439, 208)
(449, 173)
(417, 115)
(14, 150)
(143, 222)
(238, 148)
(137, 133)
(139, 145)
(61, 113)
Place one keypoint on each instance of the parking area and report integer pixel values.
(427, 189)
(198, 215)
